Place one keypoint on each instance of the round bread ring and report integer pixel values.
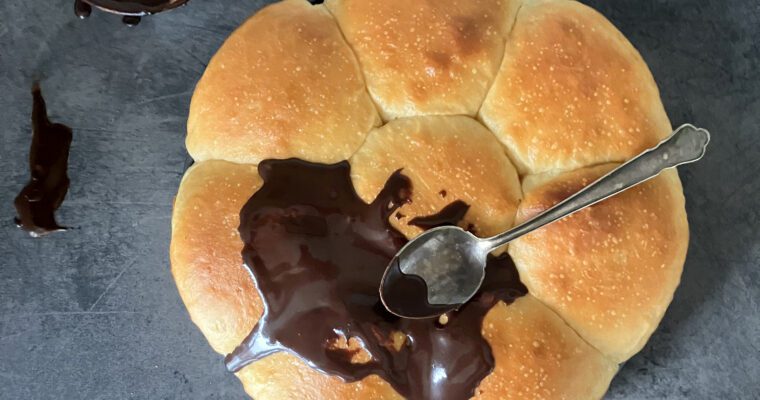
(542, 347)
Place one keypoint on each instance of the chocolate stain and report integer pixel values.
(48, 162)
(317, 253)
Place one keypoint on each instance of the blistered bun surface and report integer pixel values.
(284, 84)
(509, 106)
(426, 57)
(205, 251)
(539, 357)
(572, 92)
(610, 270)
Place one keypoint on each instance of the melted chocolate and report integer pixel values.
(82, 9)
(48, 159)
(449, 215)
(408, 293)
(318, 253)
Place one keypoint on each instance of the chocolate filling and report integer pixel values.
(48, 159)
(317, 253)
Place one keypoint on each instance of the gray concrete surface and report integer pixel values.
(94, 314)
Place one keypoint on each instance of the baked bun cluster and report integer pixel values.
(508, 105)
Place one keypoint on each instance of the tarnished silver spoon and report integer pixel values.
(443, 268)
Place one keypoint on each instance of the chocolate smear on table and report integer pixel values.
(48, 162)
(317, 253)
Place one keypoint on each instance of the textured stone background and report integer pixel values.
(94, 314)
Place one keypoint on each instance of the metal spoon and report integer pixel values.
(444, 267)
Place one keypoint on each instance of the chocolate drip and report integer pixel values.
(318, 252)
(82, 9)
(131, 20)
(48, 159)
(131, 9)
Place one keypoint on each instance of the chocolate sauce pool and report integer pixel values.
(48, 162)
(318, 252)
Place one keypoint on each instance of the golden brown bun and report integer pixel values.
(206, 251)
(539, 357)
(610, 270)
(455, 156)
(535, 351)
(284, 84)
(426, 57)
(284, 376)
(572, 91)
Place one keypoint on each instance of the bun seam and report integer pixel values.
(358, 63)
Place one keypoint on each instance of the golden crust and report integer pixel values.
(284, 84)
(572, 92)
(206, 251)
(610, 270)
(539, 357)
(447, 159)
(283, 376)
(426, 57)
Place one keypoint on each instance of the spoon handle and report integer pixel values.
(685, 145)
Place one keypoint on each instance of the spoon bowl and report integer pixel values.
(449, 256)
